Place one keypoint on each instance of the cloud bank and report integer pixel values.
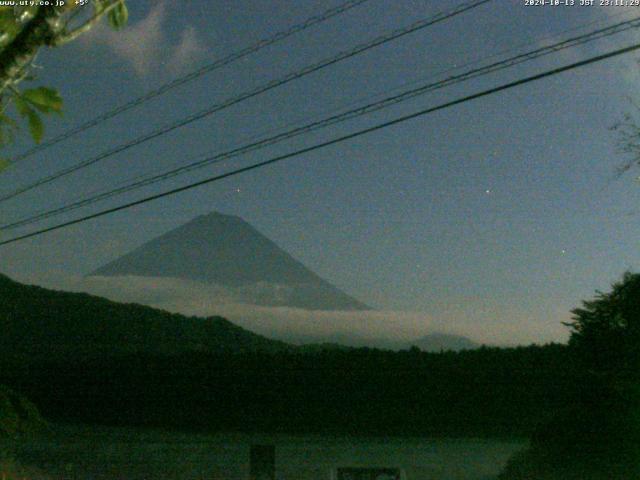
(485, 324)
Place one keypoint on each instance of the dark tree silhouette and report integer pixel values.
(606, 330)
(597, 435)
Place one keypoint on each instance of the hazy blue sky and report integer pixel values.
(504, 207)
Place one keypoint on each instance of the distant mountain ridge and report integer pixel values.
(225, 250)
(434, 342)
(37, 322)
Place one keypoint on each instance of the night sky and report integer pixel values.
(503, 212)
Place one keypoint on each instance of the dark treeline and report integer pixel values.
(82, 358)
(489, 391)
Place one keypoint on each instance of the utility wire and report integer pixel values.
(395, 34)
(205, 69)
(334, 141)
(372, 107)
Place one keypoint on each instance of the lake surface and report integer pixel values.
(87, 453)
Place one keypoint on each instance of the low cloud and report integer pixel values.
(482, 322)
(187, 52)
(145, 45)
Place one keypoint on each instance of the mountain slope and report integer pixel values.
(38, 322)
(227, 251)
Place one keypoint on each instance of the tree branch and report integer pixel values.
(16, 57)
(85, 27)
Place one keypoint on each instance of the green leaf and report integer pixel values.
(9, 28)
(4, 164)
(22, 106)
(99, 6)
(118, 16)
(45, 99)
(35, 126)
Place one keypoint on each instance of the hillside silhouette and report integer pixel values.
(37, 322)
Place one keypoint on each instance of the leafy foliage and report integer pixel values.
(23, 31)
(46, 100)
(118, 16)
(12, 21)
(31, 103)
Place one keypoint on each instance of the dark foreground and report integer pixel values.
(136, 454)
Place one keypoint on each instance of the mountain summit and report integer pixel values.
(226, 251)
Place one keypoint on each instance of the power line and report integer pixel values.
(205, 69)
(395, 34)
(369, 108)
(334, 141)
